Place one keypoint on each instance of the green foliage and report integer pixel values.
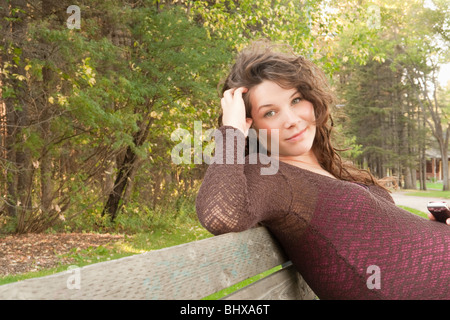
(383, 96)
(133, 74)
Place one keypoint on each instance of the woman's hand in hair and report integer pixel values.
(233, 110)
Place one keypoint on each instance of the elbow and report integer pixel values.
(216, 228)
(220, 222)
(219, 217)
(213, 223)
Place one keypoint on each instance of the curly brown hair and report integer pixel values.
(264, 60)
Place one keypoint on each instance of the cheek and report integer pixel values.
(265, 124)
(308, 113)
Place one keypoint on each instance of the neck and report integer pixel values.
(307, 161)
(308, 158)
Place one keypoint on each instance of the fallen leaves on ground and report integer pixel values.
(32, 252)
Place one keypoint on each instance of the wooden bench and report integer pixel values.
(189, 271)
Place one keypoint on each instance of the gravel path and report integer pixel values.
(420, 203)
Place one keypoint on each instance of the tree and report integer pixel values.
(421, 54)
(17, 162)
(404, 52)
(90, 112)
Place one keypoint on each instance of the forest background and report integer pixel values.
(93, 91)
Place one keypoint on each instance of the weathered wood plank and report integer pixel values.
(189, 271)
(284, 284)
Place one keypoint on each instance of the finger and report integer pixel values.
(232, 96)
(232, 91)
(239, 91)
(227, 100)
(448, 221)
(228, 94)
(431, 217)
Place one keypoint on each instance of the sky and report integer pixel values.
(444, 75)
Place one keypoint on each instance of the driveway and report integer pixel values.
(420, 203)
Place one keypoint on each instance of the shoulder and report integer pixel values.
(266, 178)
(381, 192)
(263, 171)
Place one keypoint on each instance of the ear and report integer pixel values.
(249, 123)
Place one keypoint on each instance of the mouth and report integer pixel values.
(297, 136)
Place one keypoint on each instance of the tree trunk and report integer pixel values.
(444, 155)
(123, 175)
(45, 165)
(409, 184)
(18, 157)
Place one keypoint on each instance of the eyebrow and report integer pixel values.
(271, 104)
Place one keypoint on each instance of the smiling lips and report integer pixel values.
(296, 136)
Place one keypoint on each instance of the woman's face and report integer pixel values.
(275, 108)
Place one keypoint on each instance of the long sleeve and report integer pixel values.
(223, 201)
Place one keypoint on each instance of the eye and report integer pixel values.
(296, 100)
(269, 114)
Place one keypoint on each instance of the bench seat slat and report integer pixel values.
(284, 284)
(188, 271)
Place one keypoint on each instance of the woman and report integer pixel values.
(334, 221)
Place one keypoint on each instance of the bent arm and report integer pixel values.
(223, 203)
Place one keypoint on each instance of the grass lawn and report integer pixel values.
(434, 190)
(415, 211)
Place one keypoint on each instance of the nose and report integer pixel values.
(290, 119)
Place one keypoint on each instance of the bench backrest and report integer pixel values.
(188, 271)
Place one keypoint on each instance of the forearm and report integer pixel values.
(223, 202)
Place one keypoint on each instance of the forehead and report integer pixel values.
(269, 92)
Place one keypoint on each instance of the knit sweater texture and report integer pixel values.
(338, 234)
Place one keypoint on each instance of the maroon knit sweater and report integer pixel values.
(332, 230)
